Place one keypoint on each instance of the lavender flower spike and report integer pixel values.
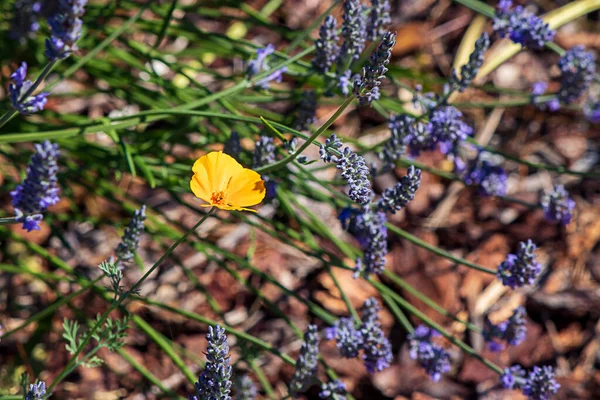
(430, 356)
(520, 269)
(334, 390)
(25, 19)
(215, 381)
(379, 18)
(260, 64)
(513, 377)
(326, 46)
(377, 354)
(245, 389)
(577, 68)
(353, 32)
(521, 26)
(307, 363)
(484, 172)
(307, 109)
(366, 88)
(349, 340)
(131, 238)
(264, 152)
(37, 391)
(395, 198)
(19, 88)
(541, 383)
(468, 72)
(369, 228)
(394, 148)
(558, 206)
(65, 28)
(511, 331)
(39, 190)
(448, 128)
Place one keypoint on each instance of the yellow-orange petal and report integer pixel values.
(245, 188)
(215, 169)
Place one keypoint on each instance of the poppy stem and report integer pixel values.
(312, 138)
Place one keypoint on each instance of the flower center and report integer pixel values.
(218, 197)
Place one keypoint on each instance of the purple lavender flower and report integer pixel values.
(379, 18)
(354, 169)
(558, 206)
(264, 152)
(39, 190)
(344, 81)
(485, 173)
(541, 383)
(19, 89)
(65, 28)
(377, 350)
(394, 148)
(577, 70)
(537, 90)
(326, 46)
(448, 128)
(245, 389)
(366, 88)
(513, 377)
(25, 19)
(369, 228)
(260, 64)
(419, 137)
(215, 381)
(397, 197)
(307, 363)
(521, 26)
(511, 331)
(430, 356)
(349, 339)
(334, 390)
(37, 391)
(468, 72)
(131, 238)
(520, 269)
(353, 32)
(592, 111)
(307, 109)
(233, 146)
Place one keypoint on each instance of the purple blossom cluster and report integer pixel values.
(592, 110)
(468, 72)
(264, 152)
(368, 226)
(131, 238)
(37, 391)
(483, 172)
(25, 21)
(558, 206)
(245, 389)
(353, 32)
(65, 28)
(307, 111)
(512, 331)
(40, 189)
(431, 356)
(334, 390)
(378, 19)
(260, 64)
(577, 71)
(397, 197)
(521, 26)
(307, 363)
(215, 381)
(327, 49)
(539, 384)
(366, 88)
(354, 168)
(23, 101)
(520, 269)
(368, 337)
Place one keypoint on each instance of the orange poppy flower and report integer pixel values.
(222, 182)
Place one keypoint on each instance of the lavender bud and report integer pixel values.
(377, 354)
(394, 148)
(397, 197)
(245, 389)
(521, 26)
(520, 269)
(326, 46)
(20, 87)
(344, 81)
(541, 383)
(233, 146)
(131, 238)
(353, 32)
(260, 64)
(430, 356)
(39, 190)
(307, 109)
(448, 128)
(468, 72)
(370, 230)
(334, 390)
(511, 331)
(264, 152)
(577, 70)
(592, 110)
(513, 377)
(37, 391)
(558, 206)
(307, 363)
(349, 340)
(65, 28)
(366, 88)
(379, 18)
(215, 381)
(25, 19)
(485, 173)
